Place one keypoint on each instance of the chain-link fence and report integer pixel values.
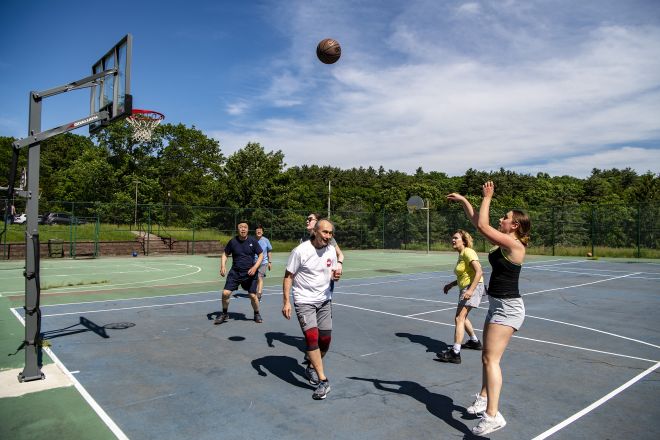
(603, 230)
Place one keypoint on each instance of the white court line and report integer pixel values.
(431, 311)
(116, 430)
(596, 404)
(594, 330)
(130, 308)
(580, 285)
(514, 336)
(73, 289)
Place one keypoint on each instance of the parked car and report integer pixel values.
(19, 219)
(61, 218)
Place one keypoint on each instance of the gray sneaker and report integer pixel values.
(478, 406)
(221, 318)
(311, 374)
(321, 390)
(488, 424)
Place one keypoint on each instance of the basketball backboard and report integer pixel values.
(113, 92)
(415, 202)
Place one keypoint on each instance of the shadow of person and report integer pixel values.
(294, 341)
(437, 404)
(432, 345)
(235, 316)
(284, 367)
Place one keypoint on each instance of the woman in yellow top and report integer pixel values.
(470, 281)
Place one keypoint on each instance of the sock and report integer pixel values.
(457, 348)
(474, 338)
(224, 311)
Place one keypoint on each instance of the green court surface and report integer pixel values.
(65, 413)
(62, 413)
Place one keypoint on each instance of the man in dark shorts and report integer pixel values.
(243, 272)
(309, 270)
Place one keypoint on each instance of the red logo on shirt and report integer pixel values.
(329, 262)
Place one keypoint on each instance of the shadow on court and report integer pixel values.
(286, 368)
(439, 405)
(232, 316)
(89, 326)
(294, 341)
(432, 345)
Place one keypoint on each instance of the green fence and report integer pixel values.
(603, 230)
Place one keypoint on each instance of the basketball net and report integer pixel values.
(144, 122)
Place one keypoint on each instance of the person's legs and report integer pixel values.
(460, 319)
(226, 295)
(496, 339)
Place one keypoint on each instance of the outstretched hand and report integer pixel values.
(455, 197)
(488, 189)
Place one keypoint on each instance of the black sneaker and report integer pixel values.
(311, 374)
(257, 318)
(472, 345)
(224, 317)
(321, 390)
(449, 356)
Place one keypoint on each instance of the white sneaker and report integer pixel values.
(478, 406)
(488, 424)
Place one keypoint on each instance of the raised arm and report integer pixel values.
(493, 235)
(467, 207)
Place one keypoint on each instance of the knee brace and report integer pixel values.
(325, 336)
(312, 338)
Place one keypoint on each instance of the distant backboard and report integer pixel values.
(113, 92)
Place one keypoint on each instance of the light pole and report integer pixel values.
(329, 191)
(136, 195)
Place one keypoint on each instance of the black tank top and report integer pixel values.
(504, 278)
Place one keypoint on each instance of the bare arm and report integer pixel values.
(340, 261)
(223, 265)
(478, 273)
(505, 241)
(256, 265)
(467, 207)
(286, 293)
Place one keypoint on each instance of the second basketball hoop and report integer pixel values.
(144, 122)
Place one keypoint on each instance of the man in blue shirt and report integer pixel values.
(246, 258)
(267, 260)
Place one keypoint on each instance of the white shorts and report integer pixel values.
(506, 311)
(475, 299)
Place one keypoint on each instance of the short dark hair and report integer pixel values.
(243, 221)
(259, 227)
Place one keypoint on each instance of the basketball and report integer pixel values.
(328, 51)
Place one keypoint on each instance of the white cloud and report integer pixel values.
(448, 110)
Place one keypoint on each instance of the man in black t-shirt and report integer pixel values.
(243, 272)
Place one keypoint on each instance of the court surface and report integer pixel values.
(138, 336)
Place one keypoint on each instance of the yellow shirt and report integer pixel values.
(464, 271)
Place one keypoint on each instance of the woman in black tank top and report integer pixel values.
(506, 310)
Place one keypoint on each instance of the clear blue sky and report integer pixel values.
(555, 86)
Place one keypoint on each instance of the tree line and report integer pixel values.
(182, 166)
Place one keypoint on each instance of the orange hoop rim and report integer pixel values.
(147, 114)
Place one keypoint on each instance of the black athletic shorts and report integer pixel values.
(247, 282)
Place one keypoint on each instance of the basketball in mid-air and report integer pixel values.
(328, 51)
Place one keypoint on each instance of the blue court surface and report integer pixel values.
(584, 365)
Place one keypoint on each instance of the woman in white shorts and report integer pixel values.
(506, 311)
(470, 281)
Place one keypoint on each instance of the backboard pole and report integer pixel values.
(32, 370)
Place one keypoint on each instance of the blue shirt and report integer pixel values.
(266, 247)
(244, 253)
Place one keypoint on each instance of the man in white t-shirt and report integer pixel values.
(309, 270)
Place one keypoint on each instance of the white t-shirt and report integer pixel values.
(312, 271)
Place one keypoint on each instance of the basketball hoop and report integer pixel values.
(144, 122)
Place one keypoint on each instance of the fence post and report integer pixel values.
(593, 219)
(553, 230)
(639, 230)
(148, 236)
(193, 240)
(72, 231)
